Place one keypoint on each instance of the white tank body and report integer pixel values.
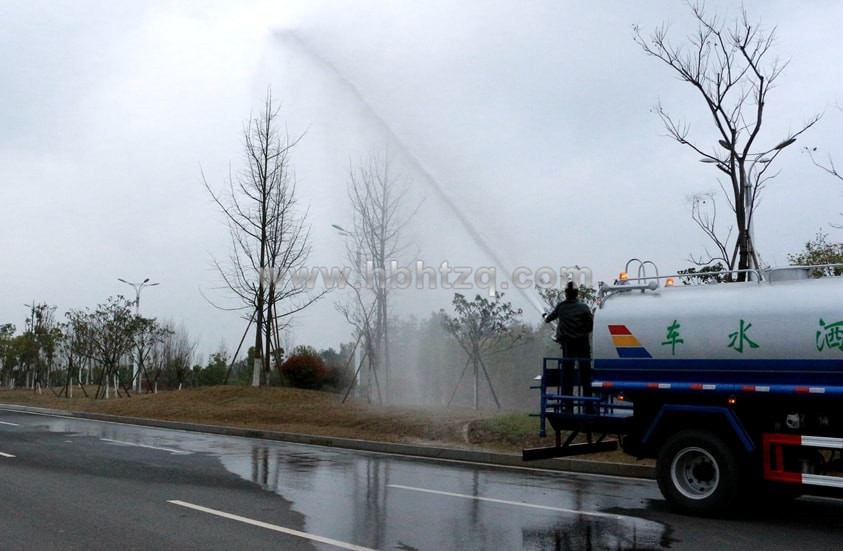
(788, 332)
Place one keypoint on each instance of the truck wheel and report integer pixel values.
(698, 473)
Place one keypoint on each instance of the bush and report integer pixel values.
(304, 368)
(212, 374)
(336, 379)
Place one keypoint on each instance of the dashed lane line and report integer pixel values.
(274, 527)
(159, 448)
(518, 503)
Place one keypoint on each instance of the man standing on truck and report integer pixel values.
(573, 333)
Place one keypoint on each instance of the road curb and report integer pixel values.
(428, 452)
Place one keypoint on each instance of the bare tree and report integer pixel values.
(159, 347)
(827, 166)
(375, 246)
(176, 353)
(481, 328)
(729, 69)
(360, 313)
(269, 237)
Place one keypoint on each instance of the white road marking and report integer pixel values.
(518, 503)
(6, 454)
(10, 424)
(171, 450)
(276, 528)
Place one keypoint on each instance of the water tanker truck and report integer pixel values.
(735, 389)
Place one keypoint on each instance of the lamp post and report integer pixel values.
(137, 287)
(342, 231)
(752, 185)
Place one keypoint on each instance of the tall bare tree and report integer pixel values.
(379, 197)
(729, 69)
(269, 236)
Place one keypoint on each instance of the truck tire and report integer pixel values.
(698, 473)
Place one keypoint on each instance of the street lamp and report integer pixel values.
(342, 230)
(137, 287)
(749, 193)
(358, 253)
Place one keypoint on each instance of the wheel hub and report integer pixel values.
(695, 473)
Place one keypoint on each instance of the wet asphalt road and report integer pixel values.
(79, 484)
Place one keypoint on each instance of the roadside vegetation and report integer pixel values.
(302, 411)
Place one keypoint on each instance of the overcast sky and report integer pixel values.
(533, 118)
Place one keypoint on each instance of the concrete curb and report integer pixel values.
(427, 452)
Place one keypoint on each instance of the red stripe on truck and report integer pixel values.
(619, 330)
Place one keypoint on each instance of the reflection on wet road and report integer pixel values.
(383, 500)
(390, 502)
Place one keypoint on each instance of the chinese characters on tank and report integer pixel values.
(830, 335)
(740, 337)
(673, 337)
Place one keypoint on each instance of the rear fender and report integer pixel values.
(671, 417)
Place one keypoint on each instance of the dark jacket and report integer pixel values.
(575, 320)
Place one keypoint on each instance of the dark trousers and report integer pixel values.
(576, 352)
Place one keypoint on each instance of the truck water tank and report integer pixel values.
(772, 332)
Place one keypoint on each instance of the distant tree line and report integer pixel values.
(97, 351)
(110, 347)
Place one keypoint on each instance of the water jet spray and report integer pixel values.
(291, 38)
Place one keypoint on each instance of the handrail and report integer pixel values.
(648, 282)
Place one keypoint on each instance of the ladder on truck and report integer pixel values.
(587, 432)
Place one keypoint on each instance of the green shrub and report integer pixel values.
(212, 374)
